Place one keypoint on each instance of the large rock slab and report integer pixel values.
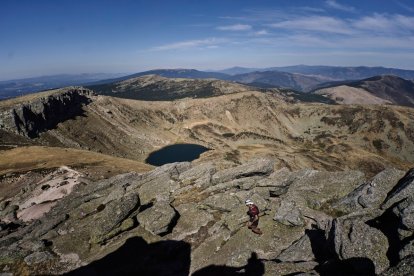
(191, 220)
(403, 189)
(112, 216)
(256, 167)
(289, 214)
(160, 175)
(236, 249)
(316, 188)
(371, 193)
(299, 251)
(353, 239)
(158, 218)
(172, 169)
(223, 202)
(199, 175)
(236, 219)
(311, 189)
(158, 189)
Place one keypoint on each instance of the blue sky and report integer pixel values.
(46, 37)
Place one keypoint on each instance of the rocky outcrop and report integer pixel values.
(255, 167)
(354, 239)
(158, 219)
(371, 193)
(401, 191)
(195, 211)
(114, 218)
(38, 114)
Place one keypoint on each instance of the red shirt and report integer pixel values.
(253, 211)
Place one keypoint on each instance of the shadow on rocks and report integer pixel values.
(328, 262)
(254, 267)
(351, 266)
(137, 257)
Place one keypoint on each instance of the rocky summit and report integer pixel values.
(190, 218)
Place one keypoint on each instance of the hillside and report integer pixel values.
(280, 79)
(347, 73)
(329, 72)
(157, 88)
(237, 126)
(376, 90)
(170, 73)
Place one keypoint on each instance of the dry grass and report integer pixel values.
(27, 98)
(25, 159)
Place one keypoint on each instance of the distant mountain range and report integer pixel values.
(329, 72)
(300, 77)
(18, 87)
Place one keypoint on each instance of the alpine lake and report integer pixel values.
(175, 153)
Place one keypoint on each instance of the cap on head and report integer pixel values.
(248, 202)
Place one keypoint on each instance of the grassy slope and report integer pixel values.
(24, 159)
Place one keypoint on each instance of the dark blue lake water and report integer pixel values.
(175, 153)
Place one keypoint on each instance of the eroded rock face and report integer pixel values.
(199, 206)
(30, 119)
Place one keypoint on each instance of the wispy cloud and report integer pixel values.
(315, 23)
(310, 9)
(405, 6)
(381, 23)
(235, 27)
(357, 42)
(335, 5)
(377, 24)
(198, 43)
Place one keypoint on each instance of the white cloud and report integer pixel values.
(236, 27)
(261, 32)
(208, 42)
(315, 23)
(335, 5)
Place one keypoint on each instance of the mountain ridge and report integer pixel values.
(311, 74)
(391, 89)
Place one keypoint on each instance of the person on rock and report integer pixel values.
(253, 213)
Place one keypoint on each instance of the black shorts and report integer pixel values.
(254, 224)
